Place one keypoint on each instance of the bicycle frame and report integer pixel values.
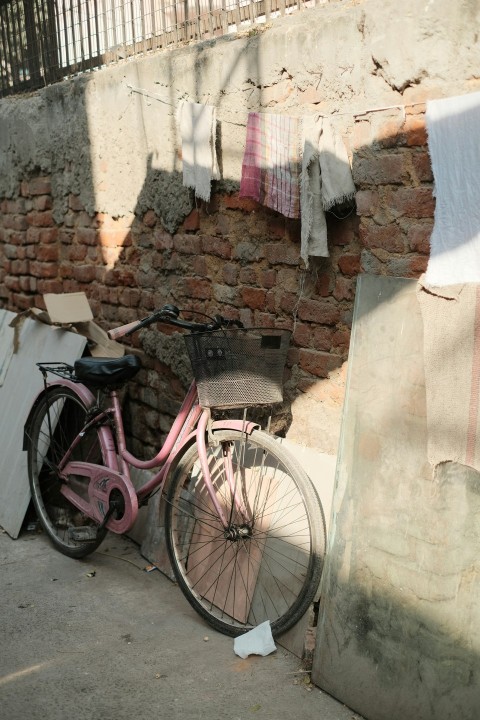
(192, 425)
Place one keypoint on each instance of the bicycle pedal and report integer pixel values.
(83, 534)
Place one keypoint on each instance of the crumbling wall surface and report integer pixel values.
(92, 196)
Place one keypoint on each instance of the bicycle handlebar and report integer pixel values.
(169, 314)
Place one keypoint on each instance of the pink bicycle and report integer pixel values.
(244, 526)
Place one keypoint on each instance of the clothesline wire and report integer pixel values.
(359, 113)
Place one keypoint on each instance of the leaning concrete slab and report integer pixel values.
(398, 632)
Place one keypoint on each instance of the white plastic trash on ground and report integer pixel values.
(258, 641)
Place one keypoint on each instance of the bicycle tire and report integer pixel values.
(62, 410)
(267, 568)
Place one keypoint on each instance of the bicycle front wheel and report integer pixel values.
(265, 561)
(57, 420)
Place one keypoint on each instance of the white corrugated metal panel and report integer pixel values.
(37, 343)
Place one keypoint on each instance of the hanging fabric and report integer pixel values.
(271, 163)
(326, 181)
(454, 144)
(197, 127)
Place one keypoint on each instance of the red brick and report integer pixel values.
(322, 338)
(188, 244)
(130, 297)
(387, 237)
(320, 312)
(234, 202)
(196, 288)
(341, 339)
(280, 253)
(324, 284)
(200, 266)
(19, 267)
(318, 363)
(75, 203)
(40, 186)
(419, 238)
(23, 302)
(254, 298)
(415, 129)
(84, 273)
(344, 289)
(85, 220)
(248, 276)
(150, 219)
(417, 266)
(214, 246)
(15, 222)
(86, 236)
(263, 319)
(270, 302)
(415, 202)
(47, 235)
(288, 302)
(42, 202)
(18, 238)
(302, 335)
(422, 166)
(287, 279)
(40, 219)
(230, 274)
(163, 240)
(49, 286)
(76, 253)
(13, 207)
(48, 253)
(367, 202)
(66, 237)
(28, 284)
(268, 278)
(382, 169)
(12, 283)
(43, 270)
(349, 264)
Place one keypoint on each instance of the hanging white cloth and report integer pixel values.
(197, 127)
(453, 126)
(326, 180)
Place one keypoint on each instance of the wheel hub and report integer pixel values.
(238, 532)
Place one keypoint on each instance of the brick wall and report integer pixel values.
(238, 258)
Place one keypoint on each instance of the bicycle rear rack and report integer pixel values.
(63, 370)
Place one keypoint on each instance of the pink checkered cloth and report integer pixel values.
(271, 163)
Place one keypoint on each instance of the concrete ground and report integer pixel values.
(101, 638)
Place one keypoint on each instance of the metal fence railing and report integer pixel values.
(42, 41)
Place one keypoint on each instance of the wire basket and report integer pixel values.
(237, 367)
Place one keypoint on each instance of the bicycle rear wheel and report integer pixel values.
(266, 563)
(58, 418)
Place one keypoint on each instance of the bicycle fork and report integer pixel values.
(237, 503)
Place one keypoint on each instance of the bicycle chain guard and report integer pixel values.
(103, 482)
